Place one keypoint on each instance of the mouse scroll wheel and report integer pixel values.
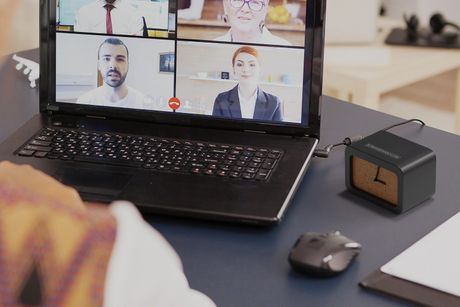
(352, 245)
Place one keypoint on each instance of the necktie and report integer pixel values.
(108, 18)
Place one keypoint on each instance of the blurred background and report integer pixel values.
(359, 67)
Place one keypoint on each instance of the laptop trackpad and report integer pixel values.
(93, 182)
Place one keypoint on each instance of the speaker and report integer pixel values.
(390, 171)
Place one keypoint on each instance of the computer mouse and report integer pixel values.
(323, 254)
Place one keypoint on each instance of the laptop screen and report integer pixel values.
(247, 60)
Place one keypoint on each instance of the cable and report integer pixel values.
(403, 123)
(324, 153)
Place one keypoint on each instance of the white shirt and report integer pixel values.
(125, 18)
(144, 270)
(265, 38)
(247, 105)
(96, 97)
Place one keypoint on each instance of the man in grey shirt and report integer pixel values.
(113, 64)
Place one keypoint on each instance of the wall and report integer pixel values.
(424, 9)
(25, 27)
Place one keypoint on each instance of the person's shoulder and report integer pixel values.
(127, 7)
(225, 96)
(89, 7)
(136, 97)
(269, 38)
(134, 92)
(224, 38)
(271, 99)
(88, 97)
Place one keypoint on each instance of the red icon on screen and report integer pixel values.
(174, 103)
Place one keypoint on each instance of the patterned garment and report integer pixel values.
(52, 254)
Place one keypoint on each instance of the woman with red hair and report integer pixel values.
(247, 100)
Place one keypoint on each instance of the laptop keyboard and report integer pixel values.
(155, 154)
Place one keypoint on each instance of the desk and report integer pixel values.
(247, 266)
(365, 85)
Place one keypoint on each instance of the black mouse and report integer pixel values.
(323, 254)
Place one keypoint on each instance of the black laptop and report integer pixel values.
(181, 117)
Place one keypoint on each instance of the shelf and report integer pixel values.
(221, 24)
(235, 82)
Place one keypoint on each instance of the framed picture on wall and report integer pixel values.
(167, 62)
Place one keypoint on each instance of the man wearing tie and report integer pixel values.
(109, 17)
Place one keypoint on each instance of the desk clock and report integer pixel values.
(391, 171)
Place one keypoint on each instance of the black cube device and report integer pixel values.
(391, 171)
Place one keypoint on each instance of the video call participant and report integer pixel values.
(247, 100)
(113, 64)
(247, 23)
(109, 17)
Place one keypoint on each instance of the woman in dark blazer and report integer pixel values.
(247, 100)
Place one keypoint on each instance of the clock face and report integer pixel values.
(375, 180)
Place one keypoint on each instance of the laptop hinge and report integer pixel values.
(51, 108)
(256, 131)
(97, 117)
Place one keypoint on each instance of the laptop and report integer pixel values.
(176, 123)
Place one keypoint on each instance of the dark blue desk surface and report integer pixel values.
(246, 266)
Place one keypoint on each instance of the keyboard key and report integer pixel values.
(106, 161)
(262, 175)
(37, 148)
(40, 143)
(248, 176)
(40, 154)
(163, 167)
(241, 163)
(209, 172)
(26, 153)
(251, 170)
(235, 174)
(222, 173)
(196, 170)
(268, 165)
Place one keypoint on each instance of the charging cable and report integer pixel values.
(324, 153)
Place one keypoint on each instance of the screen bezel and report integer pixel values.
(312, 88)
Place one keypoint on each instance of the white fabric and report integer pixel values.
(247, 105)
(125, 18)
(96, 97)
(265, 38)
(144, 270)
